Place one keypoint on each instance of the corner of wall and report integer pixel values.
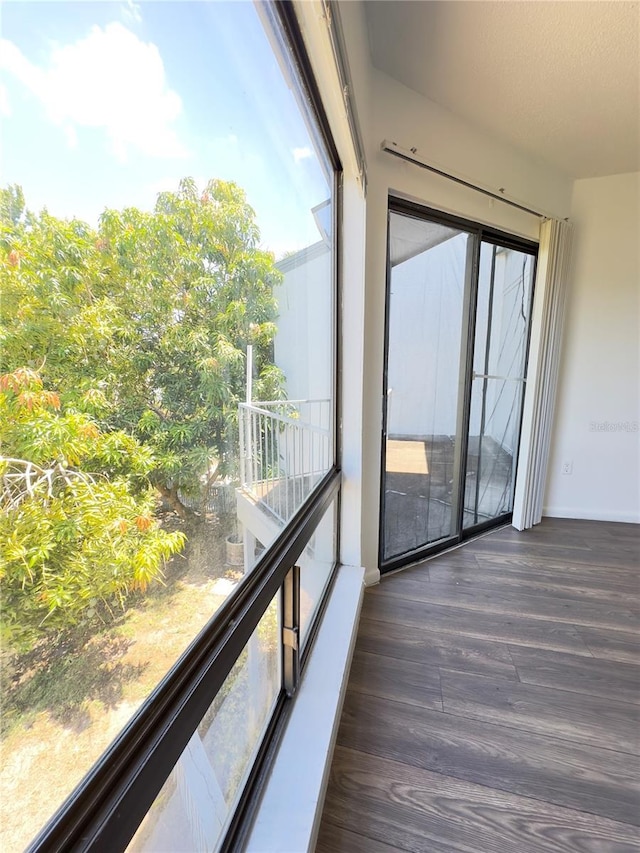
(597, 420)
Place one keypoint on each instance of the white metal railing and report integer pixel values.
(285, 450)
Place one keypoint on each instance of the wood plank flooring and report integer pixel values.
(494, 701)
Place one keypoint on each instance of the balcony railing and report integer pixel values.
(285, 450)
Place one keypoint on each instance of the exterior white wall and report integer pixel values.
(598, 409)
(425, 328)
(424, 332)
(303, 347)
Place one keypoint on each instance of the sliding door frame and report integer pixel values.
(478, 234)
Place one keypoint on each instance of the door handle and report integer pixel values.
(493, 376)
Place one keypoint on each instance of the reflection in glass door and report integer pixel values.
(458, 305)
(428, 269)
(499, 362)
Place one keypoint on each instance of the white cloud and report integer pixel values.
(302, 153)
(71, 136)
(5, 106)
(109, 80)
(131, 13)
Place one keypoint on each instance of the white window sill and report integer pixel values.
(291, 805)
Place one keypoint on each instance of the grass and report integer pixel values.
(65, 702)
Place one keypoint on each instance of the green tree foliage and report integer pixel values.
(123, 352)
(145, 322)
(77, 530)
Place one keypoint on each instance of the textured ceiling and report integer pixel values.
(559, 80)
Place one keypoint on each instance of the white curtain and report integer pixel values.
(542, 375)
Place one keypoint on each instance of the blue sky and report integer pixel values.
(105, 104)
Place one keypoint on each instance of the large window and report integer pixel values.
(167, 411)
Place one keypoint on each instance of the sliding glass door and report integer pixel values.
(497, 382)
(458, 306)
(428, 269)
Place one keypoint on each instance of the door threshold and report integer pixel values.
(447, 550)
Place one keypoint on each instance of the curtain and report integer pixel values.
(542, 375)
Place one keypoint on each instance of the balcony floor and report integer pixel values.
(493, 702)
(419, 487)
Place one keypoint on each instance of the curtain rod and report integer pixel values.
(411, 156)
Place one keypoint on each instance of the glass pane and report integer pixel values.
(316, 563)
(428, 270)
(499, 363)
(192, 810)
(166, 355)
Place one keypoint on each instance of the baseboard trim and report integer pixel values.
(591, 515)
(371, 576)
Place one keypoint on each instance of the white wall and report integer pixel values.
(303, 343)
(598, 405)
(425, 325)
(425, 329)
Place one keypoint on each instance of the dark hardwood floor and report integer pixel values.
(494, 701)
